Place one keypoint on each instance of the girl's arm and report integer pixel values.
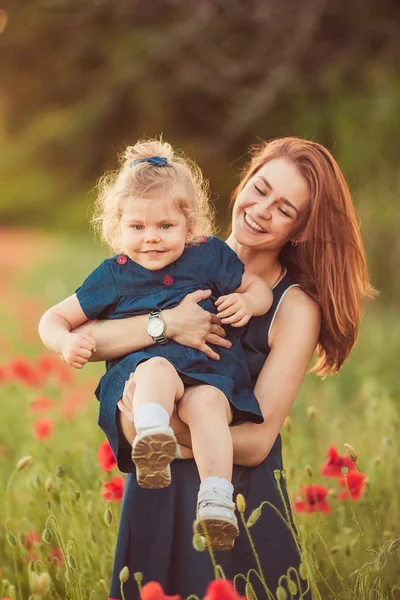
(293, 340)
(187, 324)
(251, 299)
(55, 330)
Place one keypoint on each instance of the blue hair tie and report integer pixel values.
(154, 161)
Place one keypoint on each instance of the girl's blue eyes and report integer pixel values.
(283, 212)
(163, 226)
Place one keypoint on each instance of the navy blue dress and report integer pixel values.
(156, 526)
(121, 288)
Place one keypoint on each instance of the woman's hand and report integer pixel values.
(190, 325)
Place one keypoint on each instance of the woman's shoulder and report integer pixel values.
(298, 315)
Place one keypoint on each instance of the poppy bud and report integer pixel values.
(351, 452)
(394, 545)
(281, 593)
(309, 470)
(303, 571)
(47, 535)
(255, 515)
(48, 484)
(292, 587)
(124, 575)
(311, 412)
(240, 503)
(23, 463)
(249, 591)
(288, 423)
(198, 542)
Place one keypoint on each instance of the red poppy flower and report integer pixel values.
(42, 403)
(3, 375)
(106, 457)
(333, 466)
(113, 490)
(31, 538)
(313, 499)
(23, 371)
(43, 429)
(154, 591)
(356, 483)
(222, 589)
(51, 364)
(56, 556)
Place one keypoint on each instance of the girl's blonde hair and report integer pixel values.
(329, 263)
(182, 181)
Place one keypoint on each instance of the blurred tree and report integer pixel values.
(79, 79)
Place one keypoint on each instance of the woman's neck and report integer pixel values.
(265, 263)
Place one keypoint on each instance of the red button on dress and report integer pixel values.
(203, 239)
(168, 280)
(121, 260)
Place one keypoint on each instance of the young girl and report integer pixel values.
(155, 212)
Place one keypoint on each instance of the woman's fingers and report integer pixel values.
(125, 410)
(208, 351)
(218, 340)
(215, 320)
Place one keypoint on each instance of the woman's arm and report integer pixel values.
(188, 324)
(293, 339)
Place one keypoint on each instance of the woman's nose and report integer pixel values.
(263, 208)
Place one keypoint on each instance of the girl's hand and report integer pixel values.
(190, 325)
(234, 309)
(77, 349)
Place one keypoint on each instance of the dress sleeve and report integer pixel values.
(98, 293)
(227, 268)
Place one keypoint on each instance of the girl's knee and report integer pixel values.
(154, 364)
(205, 400)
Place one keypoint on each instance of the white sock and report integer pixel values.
(149, 415)
(218, 486)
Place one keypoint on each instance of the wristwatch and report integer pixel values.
(156, 326)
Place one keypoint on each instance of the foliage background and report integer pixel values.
(80, 79)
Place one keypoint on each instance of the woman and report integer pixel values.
(293, 224)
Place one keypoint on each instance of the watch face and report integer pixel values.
(155, 327)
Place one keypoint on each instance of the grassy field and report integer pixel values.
(59, 509)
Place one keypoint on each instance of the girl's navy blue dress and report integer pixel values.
(121, 288)
(156, 527)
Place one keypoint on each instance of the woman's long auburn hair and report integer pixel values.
(329, 262)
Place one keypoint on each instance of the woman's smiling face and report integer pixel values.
(272, 207)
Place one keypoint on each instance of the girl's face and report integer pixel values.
(153, 231)
(272, 207)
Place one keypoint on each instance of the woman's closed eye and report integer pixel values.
(281, 210)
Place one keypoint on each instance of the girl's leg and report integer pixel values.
(207, 412)
(157, 387)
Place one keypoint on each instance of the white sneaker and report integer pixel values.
(216, 521)
(152, 452)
